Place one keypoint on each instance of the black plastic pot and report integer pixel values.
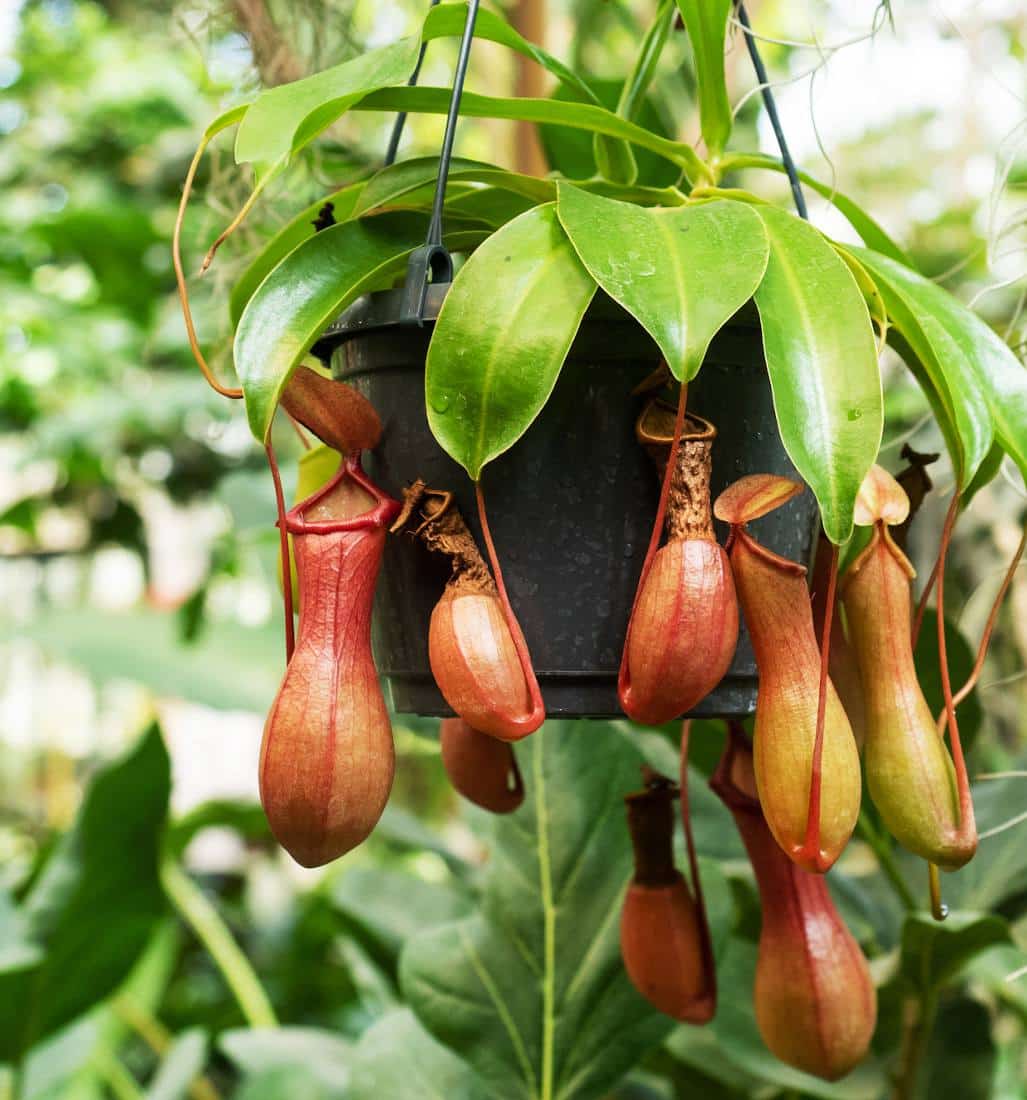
(571, 505)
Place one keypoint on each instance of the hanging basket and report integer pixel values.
(571, 505)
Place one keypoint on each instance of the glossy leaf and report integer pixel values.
(571, 153)
(706, 23)
(681, 272)
(934, 952)
(448, 20)
(972, 364)
(294, 232)
(531, 991)
(823, 367)
(873, 235)
(502, 335)
(397, 180)
(396, 1057)
(578, 116)
(308, 289)
(284, 119)
(90, 914)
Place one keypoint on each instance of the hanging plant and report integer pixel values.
(744, 344)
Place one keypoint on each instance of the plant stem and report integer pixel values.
(158, 1039)
(203, 918)
(917, 1027)
(882, 849)
(120, 1082)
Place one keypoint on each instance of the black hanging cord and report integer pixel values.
(401, 118)
(432, 257)
(771, 106)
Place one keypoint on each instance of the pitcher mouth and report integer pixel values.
(383, 512)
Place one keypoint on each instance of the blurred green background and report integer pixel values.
(137, 552)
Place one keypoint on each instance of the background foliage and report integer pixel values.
(138, 576)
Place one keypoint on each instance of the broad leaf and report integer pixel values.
(531, 990)
(180, 1066)
(398, 180)
(308, 289)
(978, 366)
(571, 152)
(284, 119)
(872, 234)
(95, 904)
(934, 952)
(706, 23)
(493, 206)
(578, 116)
(448, 20)
(940, 362)
(390, 907)
(502, 335)
(682, 273)
(294, 232)
(823, 367)
(66, 1066)
(396, 1057)
(323, 1054)
(961, 1058)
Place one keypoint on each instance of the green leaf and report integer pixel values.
(448, 20)
(706, 23)
(398, 180)
(571, 152)
(925, 317)
(934, 952)
(578, 116)
(823, 367)
(390, 907)
(978, 365)
(308, 289)
(502, 335)
(531, 990)
(180, 1066)
(94, 906)
(986, 474)
(871, 233)
(67, 1065)
(294, 232)
(682, 273)
(284, 119)
(492, 205)
(961, 1056)
(396, 1057)
(324, 1054)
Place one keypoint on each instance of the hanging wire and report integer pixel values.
(401, 118)
(771, 106)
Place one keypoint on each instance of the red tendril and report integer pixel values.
(709, 966)
(537, 713)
